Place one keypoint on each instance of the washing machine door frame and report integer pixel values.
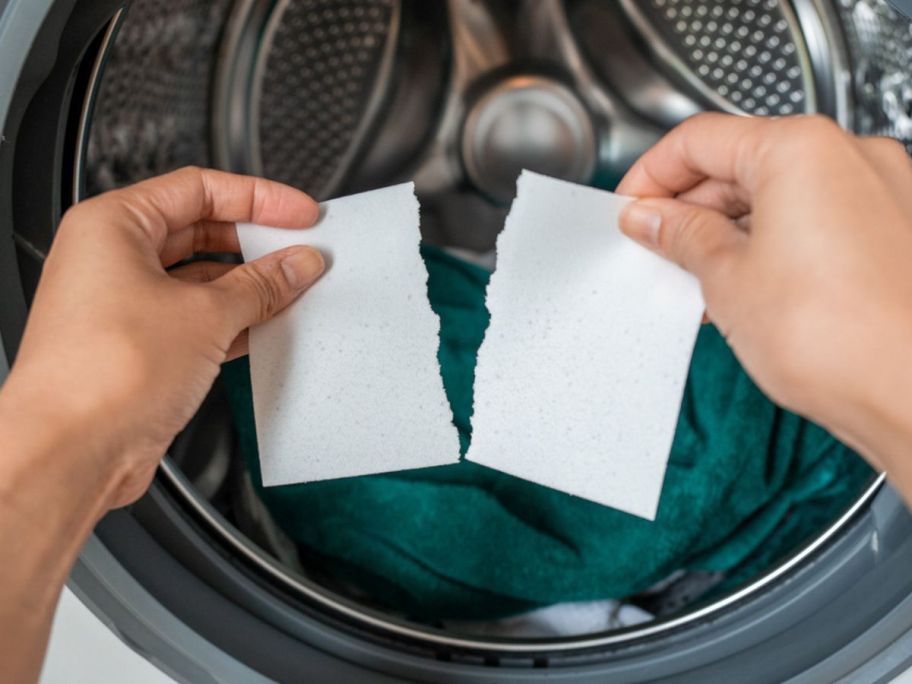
(157, 578)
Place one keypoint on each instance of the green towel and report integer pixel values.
(746, 483)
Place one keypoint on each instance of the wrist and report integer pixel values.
(878, 423)
(55, 445)
(51, 496)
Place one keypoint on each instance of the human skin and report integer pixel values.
(117, 356)
(801, 237)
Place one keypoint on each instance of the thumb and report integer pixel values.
(256, 291)
(702, 241)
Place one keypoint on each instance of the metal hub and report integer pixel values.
(527, 122)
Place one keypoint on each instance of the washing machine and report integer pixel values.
(339, 96)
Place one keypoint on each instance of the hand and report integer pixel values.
(117, 355)
(801, 237)
(120, 351)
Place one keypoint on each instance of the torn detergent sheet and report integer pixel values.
(580, 374)
(582, 369)
(346, 380)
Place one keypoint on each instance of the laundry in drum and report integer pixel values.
(589, 345)
(746, 484)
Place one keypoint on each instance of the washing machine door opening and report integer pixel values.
(337, 98)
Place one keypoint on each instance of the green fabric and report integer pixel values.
(746, 483)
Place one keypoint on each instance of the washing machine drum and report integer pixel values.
(338, 96)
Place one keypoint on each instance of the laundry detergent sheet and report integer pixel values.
(346, 379)
(582, 369)
(580, 374)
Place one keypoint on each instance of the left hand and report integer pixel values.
(119, 352)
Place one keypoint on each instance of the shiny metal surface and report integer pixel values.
(482, 45)
(320, 76)
(88, 108)
(299, 85)
(527, 122)
(622, 134)
(880, 42)
(152, 108)
(826, 49)
(745, 56)
(478, 48)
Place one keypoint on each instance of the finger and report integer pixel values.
(702, 241)
(892, 165)
(240, 346)
(202, 236)
(171, 202)
(704, 146)
(886, 151)
(258, 290)
(891, 162)
(727, 198)
(201, 271)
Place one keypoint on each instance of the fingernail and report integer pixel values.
(642, 223)
(315, 213)
(302, 267)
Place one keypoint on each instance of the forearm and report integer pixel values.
(876, 419)
(51, 495)
(117, 356)
(886, 442)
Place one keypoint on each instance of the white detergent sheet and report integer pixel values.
(346, 380)
(581, 372)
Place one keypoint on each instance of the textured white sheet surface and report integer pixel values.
(346, 380)
(581, 373)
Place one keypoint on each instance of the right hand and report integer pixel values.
(801, 237)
